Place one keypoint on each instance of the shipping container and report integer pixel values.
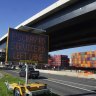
(84, 59)
(59, 61)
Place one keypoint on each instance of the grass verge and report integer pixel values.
(11, 79)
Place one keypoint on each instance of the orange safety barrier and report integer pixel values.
(87, 73)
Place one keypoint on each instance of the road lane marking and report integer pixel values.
(71, 86)
(73, 83)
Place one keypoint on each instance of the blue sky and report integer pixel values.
(72, 50)
(14, 12)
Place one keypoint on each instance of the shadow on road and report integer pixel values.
(84, 94)
(42, 77)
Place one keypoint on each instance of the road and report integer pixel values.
(64, 85)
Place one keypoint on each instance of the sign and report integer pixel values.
(26, 47)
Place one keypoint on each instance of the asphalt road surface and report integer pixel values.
(64, 85)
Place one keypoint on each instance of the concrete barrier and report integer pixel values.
(79, 74)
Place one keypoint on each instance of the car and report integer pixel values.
(31, 72)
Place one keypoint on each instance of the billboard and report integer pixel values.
(26, 47)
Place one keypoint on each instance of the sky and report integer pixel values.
(14, 12)
(73, 50)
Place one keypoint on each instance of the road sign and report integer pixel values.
(26, 47)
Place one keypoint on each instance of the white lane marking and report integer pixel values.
(73, 83)
(71, 86)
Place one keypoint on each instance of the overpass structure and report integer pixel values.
(69, 23)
